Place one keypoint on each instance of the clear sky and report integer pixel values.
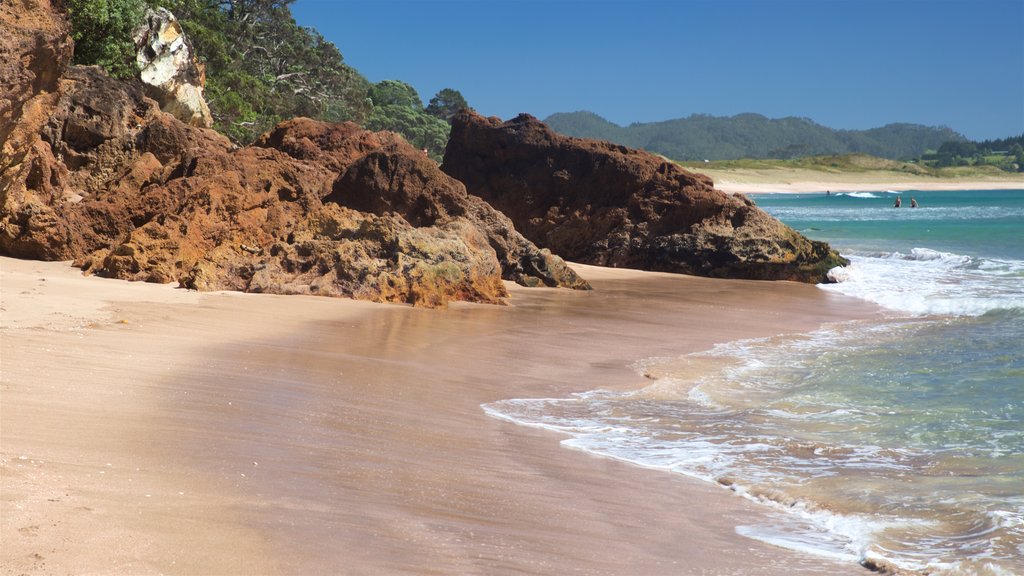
(843, 63)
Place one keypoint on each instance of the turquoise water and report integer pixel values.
(973, 223)
(895, 442)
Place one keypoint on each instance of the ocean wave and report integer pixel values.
(784, 421)
(854, 210)
(926, 281)
(859, 194)
(846, 538)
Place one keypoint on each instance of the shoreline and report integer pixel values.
(149, 429)
(783, 185)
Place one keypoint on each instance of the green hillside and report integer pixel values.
(700, 137)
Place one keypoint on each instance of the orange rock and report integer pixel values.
(94, 171)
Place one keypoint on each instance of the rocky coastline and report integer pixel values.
(96, 171)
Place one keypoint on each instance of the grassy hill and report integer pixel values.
(700, 137)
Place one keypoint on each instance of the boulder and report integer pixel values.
(169, 70)
(604, 204)
(399, 179)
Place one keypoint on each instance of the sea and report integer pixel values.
(897, 443)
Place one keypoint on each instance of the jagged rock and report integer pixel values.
(599, 203)
(94, 171)
(169, 70)
(401, 180)
(333, 146)
(95, 144)
(35, 50)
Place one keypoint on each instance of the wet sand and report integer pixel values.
(145, 430)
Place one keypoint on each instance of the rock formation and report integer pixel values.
(93, 171)
(604, 204)
(169, 70)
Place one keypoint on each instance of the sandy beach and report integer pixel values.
(146, 429)
(797, 181)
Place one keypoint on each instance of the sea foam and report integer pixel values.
(926, 281)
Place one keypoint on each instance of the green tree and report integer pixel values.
(395, 93)
(102, 31)
(398, 107)
(262, 67)
(446, 104)
(1017, 151)
(963, 149)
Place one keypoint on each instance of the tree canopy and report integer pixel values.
(102, 31)
(395, 93)
(398, 107)
(261, 68)
(447, 103)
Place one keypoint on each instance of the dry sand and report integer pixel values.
(147, 430)
(752, 181)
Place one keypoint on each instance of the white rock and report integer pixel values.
(168, 68)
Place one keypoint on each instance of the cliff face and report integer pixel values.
(604, 204)
(93, 171)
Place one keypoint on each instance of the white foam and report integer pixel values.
(697, 396)
(847, 538)
(825, 546)
(625, 427)
(882, 211)
(860, 195)
(927, 281)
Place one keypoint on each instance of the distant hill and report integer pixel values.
(701, 137)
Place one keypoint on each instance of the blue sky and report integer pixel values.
(842, 63)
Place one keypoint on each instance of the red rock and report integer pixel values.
(94, 171)
(600, 203)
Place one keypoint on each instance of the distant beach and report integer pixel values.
(148, 429)
(797, 181)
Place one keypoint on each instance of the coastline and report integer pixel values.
(153, 430)
(766, 182)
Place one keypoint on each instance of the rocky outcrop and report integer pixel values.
(169, 70)
(604, 204)
(401, 180)
(95, 172)
(34, 50)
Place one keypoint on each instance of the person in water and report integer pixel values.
(899, 202)
(913, 203)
